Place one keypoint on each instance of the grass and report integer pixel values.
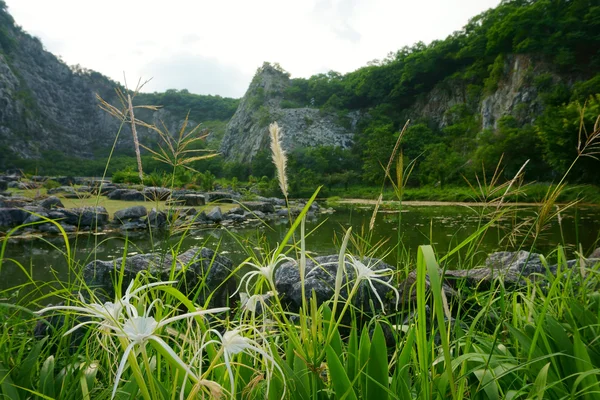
(113, 206)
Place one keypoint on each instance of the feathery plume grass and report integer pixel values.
(279, 157)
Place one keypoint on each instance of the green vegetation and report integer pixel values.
(413, 337)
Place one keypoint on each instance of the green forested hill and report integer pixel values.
(560, 43)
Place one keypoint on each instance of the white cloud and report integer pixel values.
(227, 40)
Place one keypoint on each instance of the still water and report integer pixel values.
(442, 226)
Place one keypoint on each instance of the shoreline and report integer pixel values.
(433, 203)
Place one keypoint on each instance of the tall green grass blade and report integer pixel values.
(428, 257)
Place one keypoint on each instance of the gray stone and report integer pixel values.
(199, 272)
(154, 193)
(130, 213)
(320, 280)
(234, 217)
(188, 199)
(132, 195)
(86, 216)
(52, 202)
(222, 197)
(156, 219)
(261, 206)
(215, 215)
(521, 262)
(61, 189)
(132, 225)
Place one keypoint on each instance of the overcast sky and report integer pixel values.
(215, 46)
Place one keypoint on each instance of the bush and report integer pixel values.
(50, 184)
(128, 175)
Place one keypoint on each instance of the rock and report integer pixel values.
(262, 206)
(521, 262)
(86, 216)
(12, 217)
(255, 214)
(245, 134)
(132, 195)
(15, 201)
(133, 225)
(77, 195)
(51, 228)
(235, 217)
(154, 193)
(215, 215)
(66, 180)
(130, 213)
(320, 280)
(62, 189)
(188, 199)
(156, 219)
(52, 202)
(193, 268)
(3, 185)
(106, 189)
(222, 197)
(126, 195)
(595, 253)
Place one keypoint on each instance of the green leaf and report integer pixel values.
(539, 387)
(341, 383)
(377, 367)
(47, 377)
(6, 384)
(363, 358)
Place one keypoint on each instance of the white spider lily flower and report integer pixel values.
(109, 314)
(367, 273)
(141, 330)
(266, 271)
(233, 343)
(249, 303)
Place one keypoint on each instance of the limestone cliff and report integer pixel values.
(247, 131)
(49, 109)
(513, 94)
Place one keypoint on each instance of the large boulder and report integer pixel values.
(132, 195)
(215, 215)
(320, 280)
(52, 202)
(130, 213)
(88, 217)
(196, 269)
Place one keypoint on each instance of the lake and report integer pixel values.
(441, 226)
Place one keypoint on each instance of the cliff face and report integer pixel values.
(514, 94)
(247, 131)
(46, 105)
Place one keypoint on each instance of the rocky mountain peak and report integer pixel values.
(247, 131)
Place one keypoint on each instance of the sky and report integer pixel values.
(215, 46)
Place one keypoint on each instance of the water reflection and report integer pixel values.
(442, 226)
